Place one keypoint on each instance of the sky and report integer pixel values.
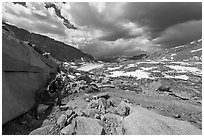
(104, 29)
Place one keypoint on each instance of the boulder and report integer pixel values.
(93, 104)
(123, 109)
(68, 130)
(46, 122)
(90, 112)
(103, 105)
(65, 107)
(103, 95)
(107, 86)
(112, 110)
(69, 113)
(164, 88)
(146, 122)
(62, 120)
(112, 123)
(42, 130)
(69, 120)
(41, 108)
(87, 126)
(113, 117)
(85, 77)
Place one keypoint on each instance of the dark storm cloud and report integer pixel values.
(119, 34)
(58, 13)
(157, 16)
(20, 3)
(86, 15)
(181, 34)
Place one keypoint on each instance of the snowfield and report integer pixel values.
(139, 74)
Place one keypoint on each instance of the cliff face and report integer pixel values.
(57, 49)
(23, 72)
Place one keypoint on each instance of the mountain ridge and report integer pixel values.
(57, 49)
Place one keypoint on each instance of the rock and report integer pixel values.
(41, 108)
(27, 117)
(195, 58)
(111, 110)
(42, 130)
(79, 113)
(87, 126)
(69, 120)
(85, 77)
(113, 124)
(105, 80)
(86, 95)
(103, 105)
(77, 74)
(46, 122)
(138, 123)
(138, 90)
(62, 120)
(107, 86)
(68, 130)
(103, 95)
(69, 113)
(164, 88)
(176, 116)
(182, 95)
(112, 116)
(113, 101)
(93, 104)
(65, 107)
(89, 112)
(123, 109)
(87, 99)
(97, 116)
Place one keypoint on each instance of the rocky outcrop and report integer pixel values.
(24, 72)
(146, 122)
(87, 126)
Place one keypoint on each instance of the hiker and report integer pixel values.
(57, 86)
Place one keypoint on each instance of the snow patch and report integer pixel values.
(152, 62)
(114, 68)
(196, 50)
(150, 68)
(183, 77)
(192, 42)
(181, 63)
(179, 46)
(138, 73)
(199, 40)
(183, 69)
(88, 67)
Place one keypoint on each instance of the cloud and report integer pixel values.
(157, 16)
(34, 17)
(120, 47)
(94, 17)
(111, 29)
(58, 13)
(180, 34)
(21, 3)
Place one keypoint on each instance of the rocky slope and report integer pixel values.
(57, 49)
(186, 52)
(122, 98)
